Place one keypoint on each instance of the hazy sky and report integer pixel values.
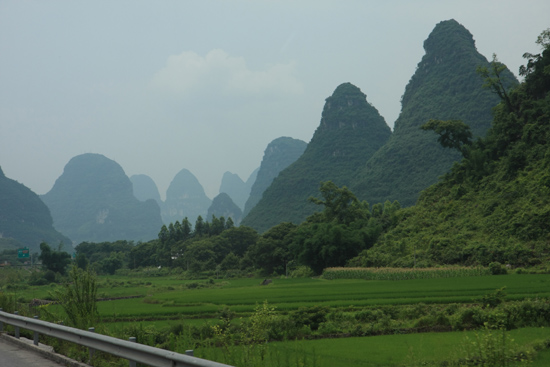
(205, 85)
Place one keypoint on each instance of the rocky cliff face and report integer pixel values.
(350, 132)
(25, 221)
(185, 197)
(93, 201)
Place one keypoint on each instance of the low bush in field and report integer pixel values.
(402, 273)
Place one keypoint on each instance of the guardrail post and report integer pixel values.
(91, 350)
(16, 327)
(189, 352)
(132, 363)
(1, 324)
(36, 334)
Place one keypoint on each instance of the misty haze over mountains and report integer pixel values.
(94, 200)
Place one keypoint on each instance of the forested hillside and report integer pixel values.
(351, 130)
(278, 155)
(444, 86)
(494, 206)
(24, 219)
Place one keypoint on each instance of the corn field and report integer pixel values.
(403, 273)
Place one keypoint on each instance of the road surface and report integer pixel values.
(14, 355)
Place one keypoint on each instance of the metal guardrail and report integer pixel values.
(132, 351)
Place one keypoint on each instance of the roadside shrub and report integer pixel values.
(413, 312)
(494, 348)
(302, 272)
(7, 302)
(285, 328)
(433, 320)
(492, 300)
(310, 316)
(467, 318)
(530, 312)
(497, 268)
(369, 315)
(330, 327)
(78, 298)
(37, 278)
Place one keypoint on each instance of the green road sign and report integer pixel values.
(22, 253)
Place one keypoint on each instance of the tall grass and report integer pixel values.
(403, 273)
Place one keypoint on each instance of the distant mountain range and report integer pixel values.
(94, 200)
(186, 197)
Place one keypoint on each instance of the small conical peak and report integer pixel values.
(449, 38)
(184, 184)
(347, 107)
(1, 172)
(344, 96)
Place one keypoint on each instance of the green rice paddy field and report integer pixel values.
(164, 299)
(402, 350)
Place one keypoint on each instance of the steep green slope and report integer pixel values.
(351, 130)
(495, 205)
(93, 201)
(445, 86)
(278, 155)
(24, 219)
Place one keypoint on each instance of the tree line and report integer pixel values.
(342, 229)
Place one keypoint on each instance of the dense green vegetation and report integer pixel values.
(489, 212)
(494, 205)
(351, 130)
(331, 237)
(24, 219)
(93, 201)
(445, 86)
(232, 320)
(278, 155)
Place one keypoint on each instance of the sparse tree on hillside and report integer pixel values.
(453, 134)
